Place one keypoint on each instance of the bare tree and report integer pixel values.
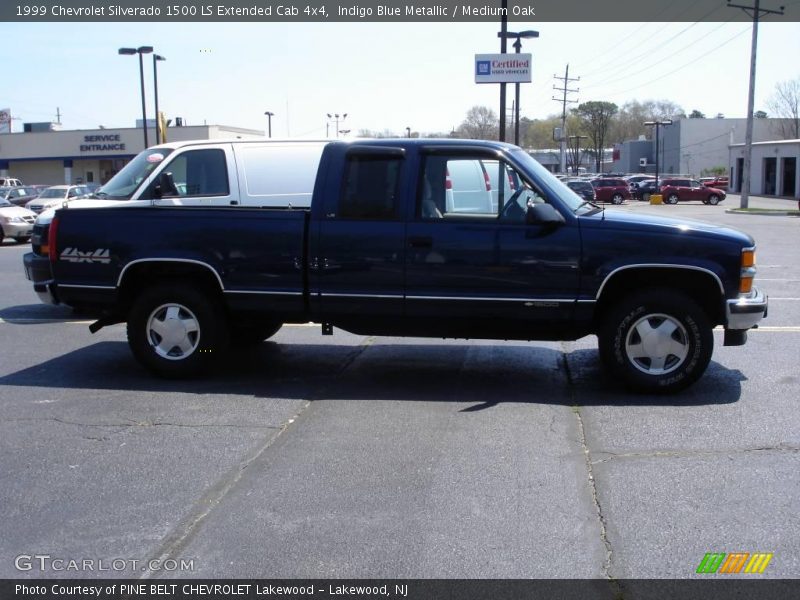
(785, 104)
(481, 123)
(595, 118)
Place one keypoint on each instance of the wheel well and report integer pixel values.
(145, 274)
(700, 286)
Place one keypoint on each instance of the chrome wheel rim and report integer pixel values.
(173, 331)
(657, 344)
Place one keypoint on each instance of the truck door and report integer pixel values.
(357, 254)
(469, 272)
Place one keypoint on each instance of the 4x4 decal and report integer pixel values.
(73, 255)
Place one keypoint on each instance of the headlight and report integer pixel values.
(12, 219)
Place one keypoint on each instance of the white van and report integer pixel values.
(467, 187)
(220, 173)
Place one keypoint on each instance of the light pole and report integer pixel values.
(517, 47)
(269, 122)
(336, 117)
(140, 50)
(408, 132)
(156, 58)
(658, 125)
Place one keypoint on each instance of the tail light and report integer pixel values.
(487, 181)
(511, 185)
(448, 183)
(52, 251)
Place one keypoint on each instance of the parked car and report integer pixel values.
(721, 183)
(56, 195)
(10, 182)
(612, 190)
(685, 190)
(15, 222)
(19, 195)
(583, 188)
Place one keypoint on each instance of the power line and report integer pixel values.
(565, 90)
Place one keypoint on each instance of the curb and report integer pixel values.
(770, 212)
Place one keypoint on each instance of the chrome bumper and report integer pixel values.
(745, 312)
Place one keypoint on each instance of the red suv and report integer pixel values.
(721, 183)
(611, 190)
(684, 190)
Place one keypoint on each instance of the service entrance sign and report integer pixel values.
(503, 68)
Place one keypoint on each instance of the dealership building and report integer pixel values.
(52, 157)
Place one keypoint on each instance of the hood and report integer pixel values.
(643, 222)
(47, 215)
(15, 211)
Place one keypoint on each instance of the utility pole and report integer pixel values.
(58, 115)
(755, 12)
(565, 90)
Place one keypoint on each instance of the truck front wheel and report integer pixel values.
(656, 341)
(176, 331)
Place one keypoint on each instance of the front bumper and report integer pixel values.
(18, 231)
(746, 312)
(37, 270)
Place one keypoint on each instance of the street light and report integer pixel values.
(140, 50)
(658, 125)
(156, 58)
(336, 117)
(269, 122)
(528, 34)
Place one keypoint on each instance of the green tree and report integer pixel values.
(595, 119)
(696, 114)
(481, 123)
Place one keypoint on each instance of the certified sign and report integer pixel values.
(502, 68)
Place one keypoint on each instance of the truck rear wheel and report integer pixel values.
(656, 340)
(176, 330)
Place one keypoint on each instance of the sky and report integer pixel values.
(385, 76)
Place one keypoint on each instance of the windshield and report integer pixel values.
(4, 202)
(566, 195)
(54, 193)
(124, 183)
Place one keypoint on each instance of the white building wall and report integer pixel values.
(779, 150)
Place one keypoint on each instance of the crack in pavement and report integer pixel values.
(601, 518)
(184, 531)
(690, 453)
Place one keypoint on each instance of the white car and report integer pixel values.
(55, 196)
(15, 222)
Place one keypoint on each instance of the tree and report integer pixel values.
(696, 114)
(595, 118)
(785, 104)
(481, 123)
(629, 123)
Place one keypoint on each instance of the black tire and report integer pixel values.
(713, 199)
(656, 340)
(253, 334)
(617, 199)
(176, 330)
(672, 199)
(22, 240)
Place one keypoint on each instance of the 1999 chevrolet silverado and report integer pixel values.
(430, 238)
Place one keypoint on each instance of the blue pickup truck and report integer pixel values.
(430, 238)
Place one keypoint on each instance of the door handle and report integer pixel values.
(420, 242)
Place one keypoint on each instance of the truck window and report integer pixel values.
(370, 188)
(461, 187)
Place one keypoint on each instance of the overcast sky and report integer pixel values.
(385, 76)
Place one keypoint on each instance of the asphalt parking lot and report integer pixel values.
(355, 457)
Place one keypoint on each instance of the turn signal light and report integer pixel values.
(748, 271)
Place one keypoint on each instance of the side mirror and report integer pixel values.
(543, 214)
(165, 186)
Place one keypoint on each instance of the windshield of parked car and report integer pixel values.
(4, 202)
(567, 196)
(124, 184)
(54, 193)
